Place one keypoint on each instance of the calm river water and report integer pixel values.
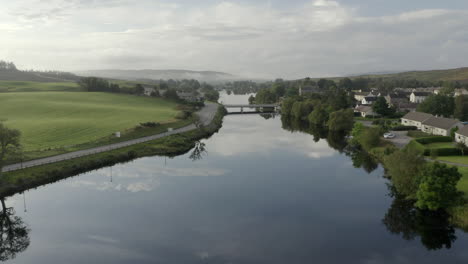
(259, 194)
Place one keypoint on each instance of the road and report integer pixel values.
(206, 115)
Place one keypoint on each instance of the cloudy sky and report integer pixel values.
(255, 38)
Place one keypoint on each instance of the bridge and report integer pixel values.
(261, 107)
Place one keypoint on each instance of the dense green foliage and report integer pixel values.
(461, 107)
(382, 108)
(9, 143)
(404, 167)
(438, 187)
(342, 120)
(319, 116)
(440, 105)
(370, 138)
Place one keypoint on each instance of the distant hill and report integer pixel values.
(459, 74)
(203, 76)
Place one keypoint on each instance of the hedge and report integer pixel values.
(444, 152)
(404, 128)
(428, 140)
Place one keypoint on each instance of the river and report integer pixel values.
(253, 193)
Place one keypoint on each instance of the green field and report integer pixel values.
(20, 86)
(62, 119)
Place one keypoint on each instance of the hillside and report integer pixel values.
(202, 76)
(459, 74)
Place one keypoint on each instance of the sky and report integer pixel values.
(255, 39)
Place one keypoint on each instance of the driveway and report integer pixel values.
(401, 139)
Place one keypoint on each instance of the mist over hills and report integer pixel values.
(202, 76)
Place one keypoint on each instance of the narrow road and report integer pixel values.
(206, 115)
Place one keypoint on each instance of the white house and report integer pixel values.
(368, 100)
(365, 111)
(440, 126)
(459, 92)
(418, 97)
(415, 119)
(148, 90)
(461, 136)
(360, 95)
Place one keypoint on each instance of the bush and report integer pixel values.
(150, 124)
(428, 140)
(183, 115)
(417, 134)
(415, 147)
(404, 128)
(443, 152)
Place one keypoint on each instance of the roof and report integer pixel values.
(363, 108)
(463, 131)
(417, 116)
(421, 93)
(397, 96)
(441, 122)
(370, 98)
(362, 93)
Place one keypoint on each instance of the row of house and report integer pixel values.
(186, 96)
(431, 124)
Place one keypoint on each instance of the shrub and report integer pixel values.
(404, 128)
(428, 140)
(443, 152)
(150, 124)
(415, 147)
(417, 134)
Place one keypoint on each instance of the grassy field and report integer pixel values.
(60, 119)
(20, 86)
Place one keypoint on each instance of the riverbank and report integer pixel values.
(21, 180)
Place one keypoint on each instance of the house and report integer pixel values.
(440, 126)
(418, 97)
(459, 92)
(189, 97)
(308, 89)
(396, 99)
(365, 111)
(415, 119)
(406, 107)
(461, 136)
(360, 95)
(148, 90)
(368, 100)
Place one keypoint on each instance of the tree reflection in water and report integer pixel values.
(14, 237)
(198, 151)
(433, 227)
(402, 218)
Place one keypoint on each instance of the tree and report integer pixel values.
(286, 106)
(441, 105)
(342, 120)
(319, 116)
(346, 84)
(461, 107)
(370, 138)
(404, 167)
(139, 89)
(251, 99)
(14, 233)
(171, 94)
(198, 151)
(155, 93)
(265, 96)
(438, 187)
(382, 108)
(9, 143)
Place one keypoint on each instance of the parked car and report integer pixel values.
(389, 135)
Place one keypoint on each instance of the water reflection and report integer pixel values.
(198, 151)
(433, 227)
(14, 233)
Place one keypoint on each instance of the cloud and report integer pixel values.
(317, 38)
